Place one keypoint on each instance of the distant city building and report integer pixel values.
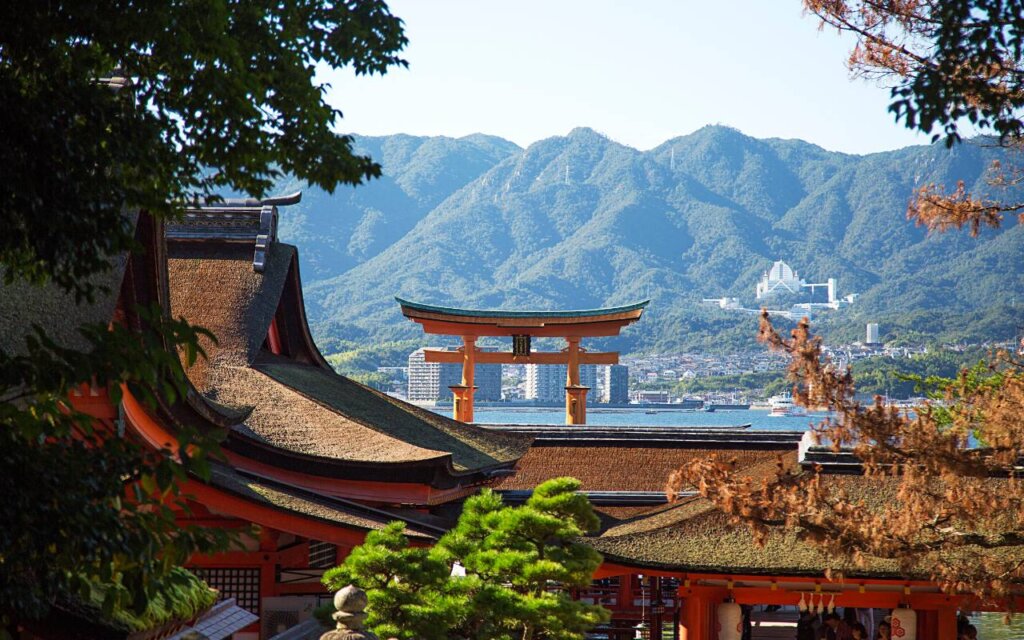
(615, 389)
(652, 397)
(430, 381)
(872, 333)
(781, 278)
(487, 378)
(546, 382)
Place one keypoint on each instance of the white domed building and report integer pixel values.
(781, 278)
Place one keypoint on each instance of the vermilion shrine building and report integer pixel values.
(317, 460)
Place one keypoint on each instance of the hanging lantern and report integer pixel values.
(904, 623)
(730, 621)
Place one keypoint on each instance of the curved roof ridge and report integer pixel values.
(495, 313)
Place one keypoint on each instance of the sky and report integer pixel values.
(638, 71)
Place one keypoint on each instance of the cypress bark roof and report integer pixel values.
(298, 403)
(417, 428)
(625, 467)
(55, 311)
(693, 536)
(293, 499)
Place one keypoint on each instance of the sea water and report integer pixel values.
(760, 420)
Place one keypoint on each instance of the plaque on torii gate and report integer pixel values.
(522, 326)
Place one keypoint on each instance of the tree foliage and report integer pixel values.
(907, 377)
(947, 63)
(958, 506)
(68, 520)
(150, 104)
(110, 110)
(519, 563)
(957, 510)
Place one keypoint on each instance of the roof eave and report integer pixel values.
(408, 305)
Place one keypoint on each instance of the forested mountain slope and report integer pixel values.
(581, 221)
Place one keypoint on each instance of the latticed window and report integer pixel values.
(241, 584)
(322, 555)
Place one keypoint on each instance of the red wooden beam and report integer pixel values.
(537, 357)
(279, 519)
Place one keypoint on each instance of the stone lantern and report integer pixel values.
(350, 603)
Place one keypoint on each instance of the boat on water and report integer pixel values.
(783, 405)
(730, 406)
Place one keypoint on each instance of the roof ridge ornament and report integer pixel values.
(267, 235)
(242, 220)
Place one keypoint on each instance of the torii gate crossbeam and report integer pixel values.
(573, 326)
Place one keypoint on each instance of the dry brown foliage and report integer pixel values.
(897, 39)
(899, 42)
(930, 498)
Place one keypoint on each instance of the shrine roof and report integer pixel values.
(299, 405)
(613, 467)
(692, 535)
(308, 504)
(534, 314)
(605, 459)
(56, 311)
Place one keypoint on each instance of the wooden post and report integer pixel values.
(657, 609)
(926, 627)
(575, 394)
(946, 623)
(572, 369)
(693, 622)
(468, 360)
(463, 401)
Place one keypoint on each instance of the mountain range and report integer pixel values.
(581, 221)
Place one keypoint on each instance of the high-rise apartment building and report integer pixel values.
(872, 333)
(429, 381)
(546, 382)
(615, 387)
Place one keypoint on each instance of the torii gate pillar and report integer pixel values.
(575, 393)
(462, 405)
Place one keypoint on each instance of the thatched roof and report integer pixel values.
(216, 287)
(23, 305)
(381, 416)
(298, 404)
(296, 500)
(694, 536)
(617, 467)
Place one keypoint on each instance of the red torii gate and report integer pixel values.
(521, 326)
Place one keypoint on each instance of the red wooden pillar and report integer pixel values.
(274, 338)
(657, 608)
(693, 622)
(462, 405)
(268, 568)
(946, 624)
(926, 625)
(625, 598)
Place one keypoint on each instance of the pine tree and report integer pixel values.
(519, 563)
